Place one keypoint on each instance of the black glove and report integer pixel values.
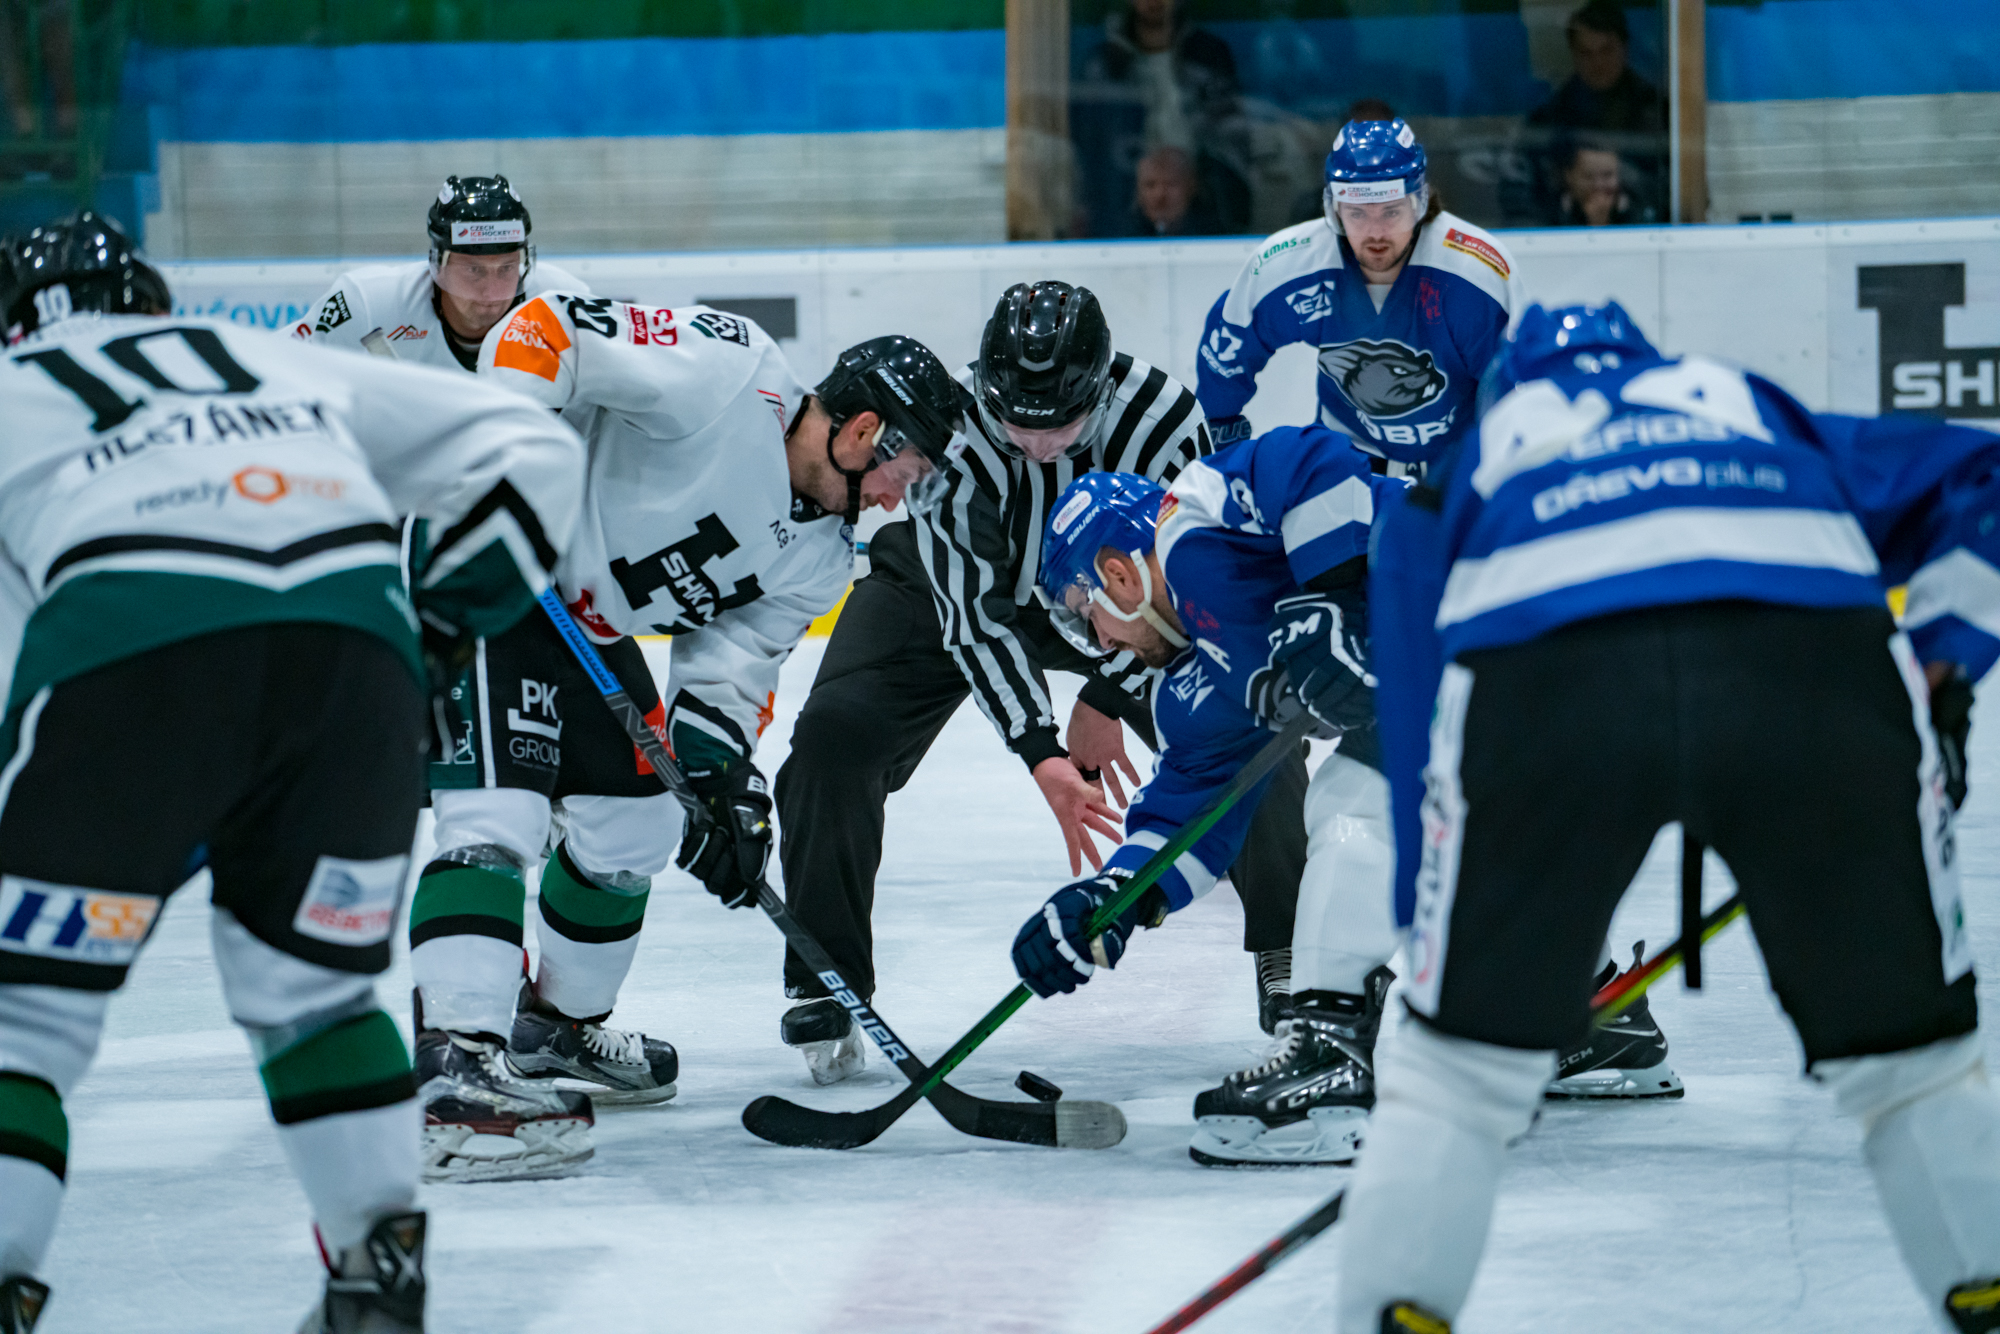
(1951, 718)
(1319, 660)
(728, 840)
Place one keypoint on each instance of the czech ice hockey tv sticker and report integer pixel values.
(72, 923)
(509, 231)
(1068, 514)
(351, 902)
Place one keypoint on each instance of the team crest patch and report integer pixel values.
(351, 902)
(333, 313)
(71, 923)
(1486, 254)
(1383, 379)
(717, 325)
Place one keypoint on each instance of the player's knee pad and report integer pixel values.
(1346, 921)
(505, 817)
(589, 933)
(268, 990)
(50, 1033)
(1490, 1091)
(622, 840)
(1868, 1088)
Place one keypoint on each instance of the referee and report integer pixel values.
(948, 610)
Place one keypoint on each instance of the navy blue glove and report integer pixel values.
(1319, 661)
(1051, 952)
(1228, 430)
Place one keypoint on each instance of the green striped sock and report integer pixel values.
(587, 912)
(357, 1064)
(454, 899)
(32, 1124)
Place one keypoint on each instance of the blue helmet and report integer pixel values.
(1570, 338)
(1375, 162)
(1099, 509)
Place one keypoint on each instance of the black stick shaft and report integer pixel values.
(1293, 1237)
(1691, 854)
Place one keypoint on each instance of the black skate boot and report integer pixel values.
(1627, 1058)
(824, 1031)
(1973, 1308)
(483, 1124)
(625, 1067)
(1410, 1318)
(21, 1303)
(377, 1287)
(1274, 987)
(1320, 1074)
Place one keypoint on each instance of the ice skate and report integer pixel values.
(21, 1303)
(1409, 1318)
(624, 1067)
(1627, 1058)
(378, 1286)
(1307, 1101)
(824, 1031)
(1974, 1308)
(483, 1124)
(1274, 987)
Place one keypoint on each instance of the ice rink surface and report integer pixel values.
(1743, 1207)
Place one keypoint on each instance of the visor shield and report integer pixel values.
(480, 278)
(1070, 615)
(1043, 444)
(900, 462)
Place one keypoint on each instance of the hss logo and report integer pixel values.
(1919, 373)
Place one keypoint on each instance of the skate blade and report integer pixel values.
(603, 1095)
(458, 1153)
(1328, 1137)
(835, 1059)
(1088, 1125)
(1657, 1081)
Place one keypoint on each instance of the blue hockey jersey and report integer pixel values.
(1663, 482)
(1238, 530)
(1400, 382)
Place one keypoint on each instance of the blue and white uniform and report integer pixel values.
(1672, 481)
(1238, 531)
(1397, 379)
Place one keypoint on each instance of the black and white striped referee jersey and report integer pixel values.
(982, 545)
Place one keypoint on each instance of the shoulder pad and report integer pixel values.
(1457, 247)
(1296, 252)
(549, 278)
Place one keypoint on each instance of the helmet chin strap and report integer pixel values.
(853, 476)
(1145, 612)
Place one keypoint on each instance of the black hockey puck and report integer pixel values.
(1036, 1087)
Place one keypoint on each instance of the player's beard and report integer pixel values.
(1152, 648)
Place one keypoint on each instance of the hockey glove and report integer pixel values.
(728, 842)
(1228, 430)
(1319, 661)
(1951, 717)
(1051, 952)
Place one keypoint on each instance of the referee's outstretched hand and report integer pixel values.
(1079, 808)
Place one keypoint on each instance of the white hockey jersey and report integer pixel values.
(163, 478)
(689, 524)
(399, 300)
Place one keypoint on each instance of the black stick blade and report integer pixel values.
(784, 1122)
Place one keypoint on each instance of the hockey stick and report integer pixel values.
(1605, 1006)
(784, 1122)
(1074, 1125)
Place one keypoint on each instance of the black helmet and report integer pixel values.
(1044, 360)
(479, 215)
(84, 262)
(902, 382)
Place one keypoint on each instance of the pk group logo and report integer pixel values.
(1918, 372)
(64, 922)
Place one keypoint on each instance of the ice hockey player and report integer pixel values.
(1250, 594)
(719, 510)
(1653, 590)
(437, 311)
(948, 609)
(1405, 302)
(213, 663)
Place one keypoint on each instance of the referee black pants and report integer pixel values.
(885, 689)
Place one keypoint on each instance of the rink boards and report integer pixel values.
(1835, 314)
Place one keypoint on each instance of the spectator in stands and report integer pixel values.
(1606, 97)
(1593, 188)
(1158, 81)
(1167, 200)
